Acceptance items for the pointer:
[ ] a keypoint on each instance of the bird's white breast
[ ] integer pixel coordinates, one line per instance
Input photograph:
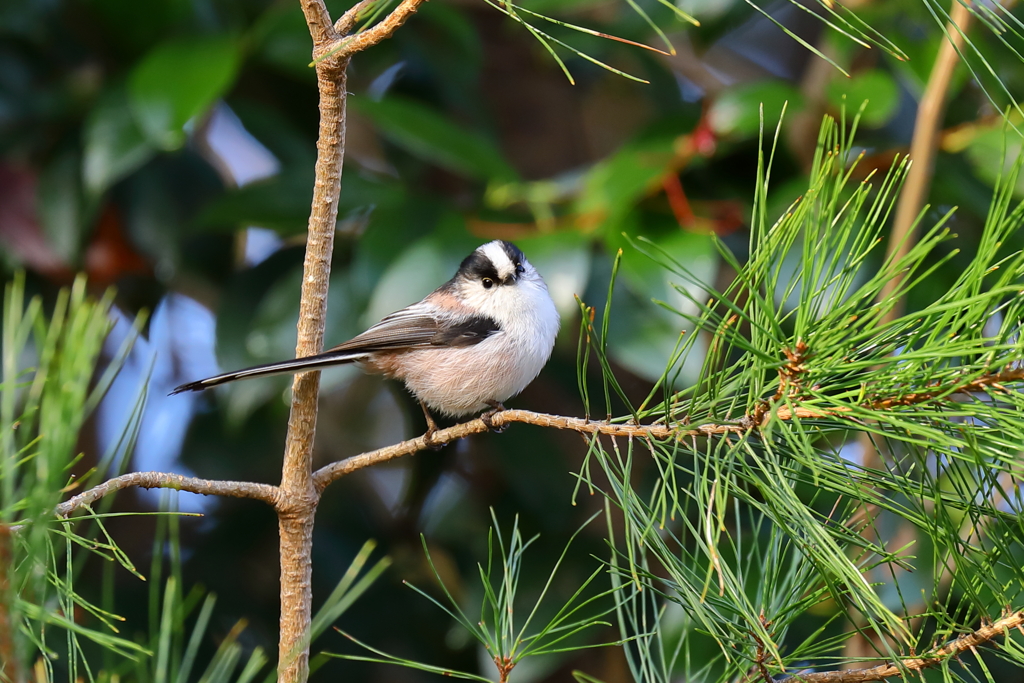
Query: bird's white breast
(459, 381)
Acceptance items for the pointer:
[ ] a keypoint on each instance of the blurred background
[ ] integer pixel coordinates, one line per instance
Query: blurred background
(166, 149)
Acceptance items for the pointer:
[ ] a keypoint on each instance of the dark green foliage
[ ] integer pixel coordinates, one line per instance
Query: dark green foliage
(463, 127)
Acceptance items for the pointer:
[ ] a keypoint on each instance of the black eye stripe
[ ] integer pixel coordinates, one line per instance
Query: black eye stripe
(478, 266)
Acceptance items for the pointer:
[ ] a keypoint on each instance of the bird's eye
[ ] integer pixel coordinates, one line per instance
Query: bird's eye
(519, 269)
(488, 283)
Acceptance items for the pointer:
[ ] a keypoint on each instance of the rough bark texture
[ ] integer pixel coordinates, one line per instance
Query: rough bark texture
(349, 45)
(883, 672)
(166, 480)
(936, 394)
(297, 498)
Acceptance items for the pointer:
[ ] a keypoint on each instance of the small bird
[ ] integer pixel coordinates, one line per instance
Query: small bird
(468, 346)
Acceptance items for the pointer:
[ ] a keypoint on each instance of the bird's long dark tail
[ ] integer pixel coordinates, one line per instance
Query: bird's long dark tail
(287, 367)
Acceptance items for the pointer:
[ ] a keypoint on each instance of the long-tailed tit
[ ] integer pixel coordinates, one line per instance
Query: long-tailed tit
(469, 345)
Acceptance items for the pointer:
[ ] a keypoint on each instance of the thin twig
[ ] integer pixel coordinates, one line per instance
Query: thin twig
(505, 666)
(952, 649)
(330, 473)
(346, 46)
(166, 480)
(344, 25)
(762, 669)
(334, 471)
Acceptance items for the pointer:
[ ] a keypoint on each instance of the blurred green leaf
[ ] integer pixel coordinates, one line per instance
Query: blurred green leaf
(614, 186)
(282, 40)
(256, 324)
(177, 81)
(459, 47)
(736, 112)
(134, 25)
(114, 145)
(640, 340)
(991, 153)
(875, 86)
(696, 250)
(417, 272)
(644, 334)
(62, 208)
(279, 203)
(424, 133)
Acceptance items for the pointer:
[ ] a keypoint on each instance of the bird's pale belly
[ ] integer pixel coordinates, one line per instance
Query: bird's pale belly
(465, 380)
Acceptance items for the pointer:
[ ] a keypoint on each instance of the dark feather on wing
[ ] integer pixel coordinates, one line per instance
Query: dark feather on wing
(417, 331)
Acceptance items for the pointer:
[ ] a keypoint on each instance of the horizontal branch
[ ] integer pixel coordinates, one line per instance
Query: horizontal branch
(936, 390)
(329, 473)
(334, 471)
(952, 649)
(166, 480)
(755, 420)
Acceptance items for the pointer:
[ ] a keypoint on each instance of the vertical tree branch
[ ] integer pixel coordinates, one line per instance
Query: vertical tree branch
(297, 499)
(321, 30)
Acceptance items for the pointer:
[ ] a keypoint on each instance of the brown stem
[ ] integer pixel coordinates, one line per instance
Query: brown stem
(761, 657)
(884, 671)
(504, 666)
(345, 46)
(297, 500)
(344, 25)
(758, 418)
(324, 476)
(164, 480)
(278, 497)
(319, 22)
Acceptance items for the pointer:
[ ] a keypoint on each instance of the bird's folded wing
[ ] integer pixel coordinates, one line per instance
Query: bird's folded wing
(412, 328)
